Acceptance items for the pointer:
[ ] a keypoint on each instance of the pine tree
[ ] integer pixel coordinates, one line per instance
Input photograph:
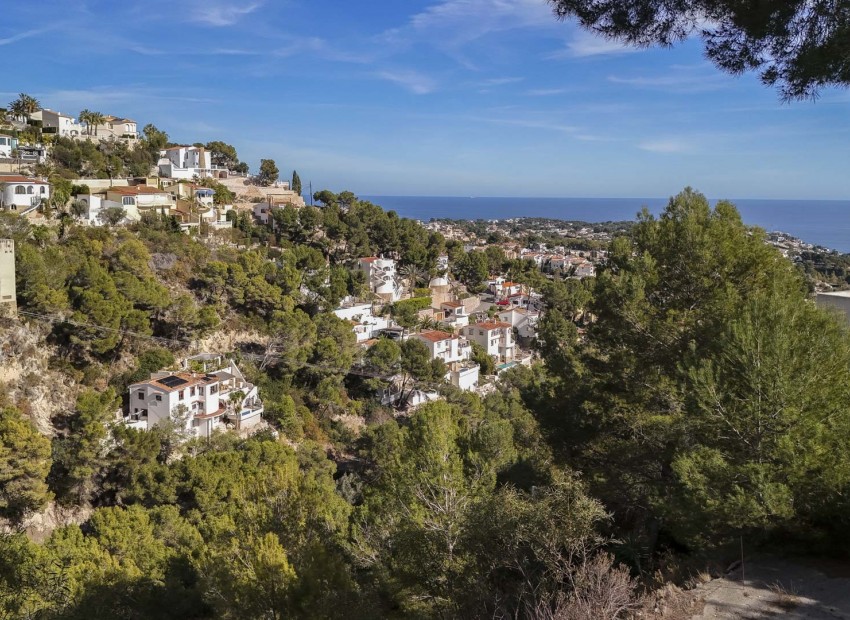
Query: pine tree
(296, 182)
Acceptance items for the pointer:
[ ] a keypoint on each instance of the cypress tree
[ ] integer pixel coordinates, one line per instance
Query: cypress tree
(296, 182)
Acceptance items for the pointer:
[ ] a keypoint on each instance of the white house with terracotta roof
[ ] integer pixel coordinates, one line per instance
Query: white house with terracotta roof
(21, 194)
(382, 278)
(136, 200)
(445, 346)
(523, 320)
(454, 313)
(141, 199)
(207, 393)
(502, 289)
(585, 269)
(496, 337)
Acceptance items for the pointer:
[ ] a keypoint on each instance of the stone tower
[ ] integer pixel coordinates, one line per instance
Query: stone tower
(8, 298)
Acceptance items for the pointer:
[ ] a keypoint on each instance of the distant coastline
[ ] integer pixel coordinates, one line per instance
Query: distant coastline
(824, 223)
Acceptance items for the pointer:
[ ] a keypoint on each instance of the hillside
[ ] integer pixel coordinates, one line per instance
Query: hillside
(686, 396)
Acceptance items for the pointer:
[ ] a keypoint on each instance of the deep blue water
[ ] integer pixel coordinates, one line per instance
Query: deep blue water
(822, 222)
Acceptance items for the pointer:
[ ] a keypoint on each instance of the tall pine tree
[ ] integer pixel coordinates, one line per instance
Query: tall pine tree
(296, 182)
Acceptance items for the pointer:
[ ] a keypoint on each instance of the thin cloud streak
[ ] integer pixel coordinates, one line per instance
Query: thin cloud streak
(221, 15)
(680, 79)
(27, 34)
(586, 44)
(413, 81)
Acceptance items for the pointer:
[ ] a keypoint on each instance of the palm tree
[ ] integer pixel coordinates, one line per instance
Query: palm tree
(96, 119)
(24, 106)
(85, 117)
(414, 274)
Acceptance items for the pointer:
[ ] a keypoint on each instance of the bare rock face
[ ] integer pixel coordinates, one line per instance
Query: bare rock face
(40, 392)
(162, 261)
(38, 526)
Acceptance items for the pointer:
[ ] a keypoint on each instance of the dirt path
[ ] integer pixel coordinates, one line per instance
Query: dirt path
(777, 587)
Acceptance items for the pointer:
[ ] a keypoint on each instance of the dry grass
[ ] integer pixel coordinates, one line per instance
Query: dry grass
(787, 598)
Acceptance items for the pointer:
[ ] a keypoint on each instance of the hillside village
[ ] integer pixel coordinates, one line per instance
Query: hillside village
(212, 198)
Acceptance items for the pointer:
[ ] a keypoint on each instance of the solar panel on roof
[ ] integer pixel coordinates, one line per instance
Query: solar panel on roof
(172, 381)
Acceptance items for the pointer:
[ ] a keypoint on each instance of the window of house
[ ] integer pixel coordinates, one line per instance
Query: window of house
(20, 189)
(43, 189)
(159, 397)
(30, 190)
(213, 389)
(480, 333)
(181, 394)
(141, 395)
(128, 201)
(192, 391)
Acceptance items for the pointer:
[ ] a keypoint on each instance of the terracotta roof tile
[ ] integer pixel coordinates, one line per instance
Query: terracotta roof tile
(436, 336)
(489, 325)
(16, 178)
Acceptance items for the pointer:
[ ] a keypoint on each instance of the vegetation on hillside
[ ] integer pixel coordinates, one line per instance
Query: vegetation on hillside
(690, 394)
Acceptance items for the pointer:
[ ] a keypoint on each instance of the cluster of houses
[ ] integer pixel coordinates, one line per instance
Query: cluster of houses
(190, 203)
(457, 323)
(55, 123)
(564, 261)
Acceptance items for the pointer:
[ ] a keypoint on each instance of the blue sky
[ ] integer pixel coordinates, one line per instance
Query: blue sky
(414, 97)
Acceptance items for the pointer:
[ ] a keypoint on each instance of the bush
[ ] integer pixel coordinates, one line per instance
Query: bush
(415, 305)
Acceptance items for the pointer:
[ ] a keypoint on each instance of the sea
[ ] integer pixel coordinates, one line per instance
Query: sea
(820, 222)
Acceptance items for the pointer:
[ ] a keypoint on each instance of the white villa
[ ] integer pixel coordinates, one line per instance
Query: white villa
(136, 200)
(7, 145)
(64, 125)
(496, 337)
(585, 270)
(445, 346)
(188, 162)
(464, 375)
(502, 289)
(381, 276)
(208, 394)
(364, 324)
(524, 321)
(21, 194)
(454, 314)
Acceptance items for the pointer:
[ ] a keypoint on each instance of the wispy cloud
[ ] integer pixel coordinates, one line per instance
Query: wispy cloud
(104, 96)
(413, 81)
(472, 19)
(585, 44)
(223, 14)
(500, 81)
(666, 145)
(679, 79)
(27, 34)
(451, 26)
(225, 51)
